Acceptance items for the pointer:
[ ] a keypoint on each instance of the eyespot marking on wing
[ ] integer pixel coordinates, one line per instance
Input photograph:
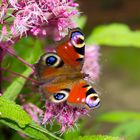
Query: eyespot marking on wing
(72, 49)
(77, 39)
(52, 60)
(92, 100)
(60, 96)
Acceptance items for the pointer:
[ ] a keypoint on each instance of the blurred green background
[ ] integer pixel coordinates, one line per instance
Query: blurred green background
(119, 84)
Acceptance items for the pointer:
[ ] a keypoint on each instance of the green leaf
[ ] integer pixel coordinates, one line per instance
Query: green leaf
(119, 116)
(9, 110)
(34, 53)
(14, 89)
(97, 137)
(71, 135)
(15, 117)
(114, 35)
(130, 130)
(81, 21)
(29, 49)
(43, 130)
(32, 130)
(29, 131)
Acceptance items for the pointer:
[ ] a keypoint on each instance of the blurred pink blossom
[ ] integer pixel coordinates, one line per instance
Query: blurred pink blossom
(91, 64)
(38, 17)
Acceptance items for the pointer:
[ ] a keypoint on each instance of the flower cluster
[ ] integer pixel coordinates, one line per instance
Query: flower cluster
(64, 114)
(36, 17)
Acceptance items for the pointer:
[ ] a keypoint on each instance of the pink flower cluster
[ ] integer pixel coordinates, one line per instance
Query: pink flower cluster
(64, 114)
(36, 17)
(91, 64)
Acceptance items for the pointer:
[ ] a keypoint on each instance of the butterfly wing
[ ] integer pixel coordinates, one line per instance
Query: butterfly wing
(75, 93)
(83, 94)
(68, 58)
(72, 51)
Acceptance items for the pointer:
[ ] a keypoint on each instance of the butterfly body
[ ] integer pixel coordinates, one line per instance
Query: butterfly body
(60, 73)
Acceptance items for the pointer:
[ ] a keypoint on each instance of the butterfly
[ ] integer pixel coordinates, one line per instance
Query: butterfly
(60, 76)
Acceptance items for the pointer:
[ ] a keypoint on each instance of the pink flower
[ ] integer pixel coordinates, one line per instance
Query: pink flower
(3, 10)
(39, 17)
(4, 34)
(91, 63)
(65, 115)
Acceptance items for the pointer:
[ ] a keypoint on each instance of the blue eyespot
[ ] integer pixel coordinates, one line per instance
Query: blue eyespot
(59, 96)
(51, 60)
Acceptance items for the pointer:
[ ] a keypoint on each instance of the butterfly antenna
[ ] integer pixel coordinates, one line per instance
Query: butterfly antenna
(27, 78)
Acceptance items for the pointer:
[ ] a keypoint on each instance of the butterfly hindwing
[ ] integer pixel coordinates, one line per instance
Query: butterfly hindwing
(83, 94)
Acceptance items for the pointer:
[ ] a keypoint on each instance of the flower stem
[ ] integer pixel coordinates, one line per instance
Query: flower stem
(17, 74)
(22, 60)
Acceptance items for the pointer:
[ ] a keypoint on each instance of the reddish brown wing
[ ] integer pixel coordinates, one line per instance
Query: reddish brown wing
(82, 93)
(69, 58)
(72, 51)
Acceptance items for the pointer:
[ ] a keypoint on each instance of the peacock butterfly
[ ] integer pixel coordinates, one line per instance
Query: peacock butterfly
(60, 73)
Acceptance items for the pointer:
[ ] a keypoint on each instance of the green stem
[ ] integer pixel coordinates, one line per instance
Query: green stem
(14, 89)
(33, 125)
